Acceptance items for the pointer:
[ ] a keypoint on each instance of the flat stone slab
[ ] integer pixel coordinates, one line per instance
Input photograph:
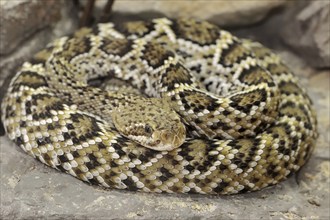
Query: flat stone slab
(31, 190)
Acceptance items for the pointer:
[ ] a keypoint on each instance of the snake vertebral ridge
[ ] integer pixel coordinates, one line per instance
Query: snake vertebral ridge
(216, 114)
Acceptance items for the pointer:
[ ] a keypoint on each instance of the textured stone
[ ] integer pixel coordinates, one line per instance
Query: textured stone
(308, 32)
(20, 19)
(27, 26)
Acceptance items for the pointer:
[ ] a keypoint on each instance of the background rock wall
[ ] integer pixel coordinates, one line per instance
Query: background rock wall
(27, 26)
(307, 33)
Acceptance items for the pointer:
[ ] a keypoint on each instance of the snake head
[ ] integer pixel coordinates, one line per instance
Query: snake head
(150, 123)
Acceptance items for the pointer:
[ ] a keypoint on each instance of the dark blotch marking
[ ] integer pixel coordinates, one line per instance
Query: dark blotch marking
(130, 184)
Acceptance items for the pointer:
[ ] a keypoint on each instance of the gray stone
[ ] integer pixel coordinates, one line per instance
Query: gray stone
(27, 26)
(308, 32)
(21, 19)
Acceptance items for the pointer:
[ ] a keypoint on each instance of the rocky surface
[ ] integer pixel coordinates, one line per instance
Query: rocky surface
(308, 33)
(21, 19)
(27, 26)
(28, 189)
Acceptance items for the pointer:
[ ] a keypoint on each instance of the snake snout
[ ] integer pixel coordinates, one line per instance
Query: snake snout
(172, 138)
(168, 139)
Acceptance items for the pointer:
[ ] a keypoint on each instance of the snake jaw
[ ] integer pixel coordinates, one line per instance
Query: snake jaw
(163, 140)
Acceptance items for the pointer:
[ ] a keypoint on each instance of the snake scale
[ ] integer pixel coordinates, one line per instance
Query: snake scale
(222, 115)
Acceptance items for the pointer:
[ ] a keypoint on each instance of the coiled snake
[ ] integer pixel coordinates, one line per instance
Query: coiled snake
(221, 115)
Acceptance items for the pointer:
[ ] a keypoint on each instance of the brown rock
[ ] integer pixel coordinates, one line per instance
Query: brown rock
(26, 27)
(308, 33)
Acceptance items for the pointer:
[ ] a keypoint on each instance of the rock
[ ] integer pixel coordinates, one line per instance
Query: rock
(308, 33)
(20, 19)
(27, 26)
(224, 13)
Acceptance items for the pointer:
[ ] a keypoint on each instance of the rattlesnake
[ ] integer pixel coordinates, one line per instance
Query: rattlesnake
(236, 118)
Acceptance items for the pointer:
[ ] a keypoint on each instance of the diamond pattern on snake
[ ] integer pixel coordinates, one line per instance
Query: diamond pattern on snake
(210, 113)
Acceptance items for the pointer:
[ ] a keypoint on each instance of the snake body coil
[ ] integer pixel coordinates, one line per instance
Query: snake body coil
(249, 124)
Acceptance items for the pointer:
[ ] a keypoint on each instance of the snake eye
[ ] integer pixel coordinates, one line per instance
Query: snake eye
(148, 129)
